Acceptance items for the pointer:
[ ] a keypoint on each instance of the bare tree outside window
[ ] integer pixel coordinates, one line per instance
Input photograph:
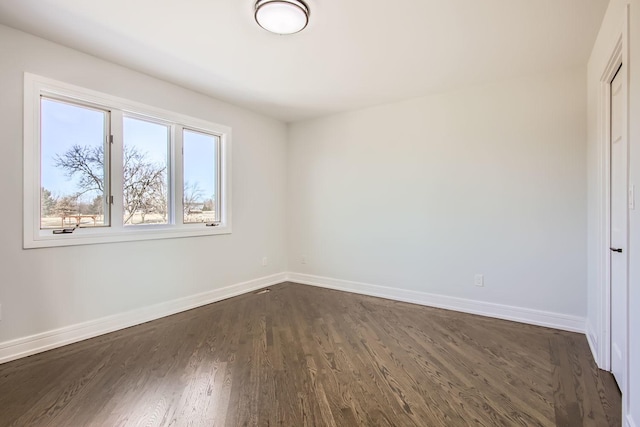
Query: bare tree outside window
(192, 198)
(144, 189)
(85, 163)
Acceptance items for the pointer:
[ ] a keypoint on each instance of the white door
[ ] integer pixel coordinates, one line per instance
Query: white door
(618, 251)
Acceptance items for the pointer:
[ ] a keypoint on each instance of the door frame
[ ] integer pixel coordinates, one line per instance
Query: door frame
(619, 55)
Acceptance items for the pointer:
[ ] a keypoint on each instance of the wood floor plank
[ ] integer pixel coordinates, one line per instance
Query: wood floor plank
(305, 356)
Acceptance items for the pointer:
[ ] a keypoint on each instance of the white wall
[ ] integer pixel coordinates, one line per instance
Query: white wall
(420, 195)
(611, 27)
(45, 289)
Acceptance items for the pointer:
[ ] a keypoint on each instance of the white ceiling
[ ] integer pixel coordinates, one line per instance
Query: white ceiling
(354, 53)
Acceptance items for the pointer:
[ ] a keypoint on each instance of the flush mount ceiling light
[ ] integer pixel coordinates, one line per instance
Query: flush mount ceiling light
(282, 16)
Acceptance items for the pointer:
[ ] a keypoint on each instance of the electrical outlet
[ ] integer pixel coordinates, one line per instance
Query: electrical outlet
(303, 259)
(479, 280)
(265, 261)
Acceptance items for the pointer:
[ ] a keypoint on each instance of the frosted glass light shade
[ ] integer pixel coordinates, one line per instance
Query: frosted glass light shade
(282, 16)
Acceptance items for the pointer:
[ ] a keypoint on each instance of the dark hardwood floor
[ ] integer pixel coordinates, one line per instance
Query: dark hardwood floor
(299, 355)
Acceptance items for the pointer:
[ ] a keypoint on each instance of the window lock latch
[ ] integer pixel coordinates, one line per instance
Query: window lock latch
(212, 224)
(65, 230)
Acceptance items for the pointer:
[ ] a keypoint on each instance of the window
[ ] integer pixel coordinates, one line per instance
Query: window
(73, 173)
(144, 167)
(103, 169)
(200, 185)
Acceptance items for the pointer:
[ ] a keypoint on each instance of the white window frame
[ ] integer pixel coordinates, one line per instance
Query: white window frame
(34, 237)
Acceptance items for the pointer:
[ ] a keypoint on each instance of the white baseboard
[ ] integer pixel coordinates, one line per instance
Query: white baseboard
(592, 339)
(499, 311)
(26, 346)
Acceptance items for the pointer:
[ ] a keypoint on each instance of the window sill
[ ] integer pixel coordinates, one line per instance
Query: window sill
(46, 238)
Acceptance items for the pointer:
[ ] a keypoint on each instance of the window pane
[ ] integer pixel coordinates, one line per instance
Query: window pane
(146, 147)
(200, 177)
(73, 188)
